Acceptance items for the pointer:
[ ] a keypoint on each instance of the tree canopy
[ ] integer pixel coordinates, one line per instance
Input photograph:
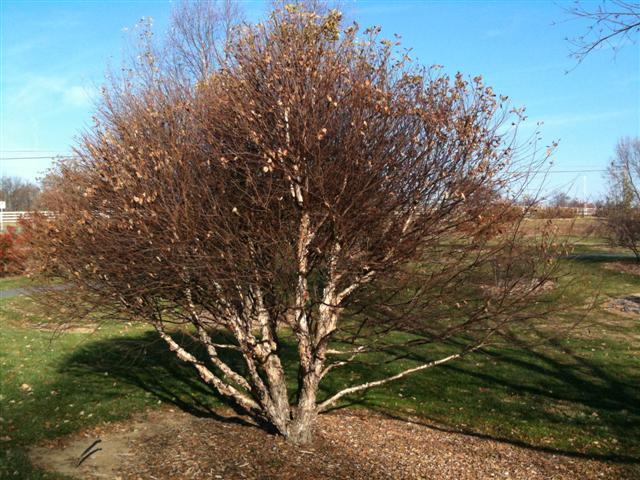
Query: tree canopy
(298, 180)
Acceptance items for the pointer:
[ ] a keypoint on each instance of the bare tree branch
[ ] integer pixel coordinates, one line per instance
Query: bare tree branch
(365, 386)
(610, 20)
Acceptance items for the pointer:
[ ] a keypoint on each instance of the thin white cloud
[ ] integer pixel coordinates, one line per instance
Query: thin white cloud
(570, 119)
(493, 33)
(16, 50)
(375, 8)
(550, 126)
(78, 96)
(48, 90)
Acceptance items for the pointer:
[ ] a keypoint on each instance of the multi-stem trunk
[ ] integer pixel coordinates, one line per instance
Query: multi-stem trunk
(312, 363)
(302, 427)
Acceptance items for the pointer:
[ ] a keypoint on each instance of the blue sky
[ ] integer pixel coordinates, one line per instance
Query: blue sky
(54, 54)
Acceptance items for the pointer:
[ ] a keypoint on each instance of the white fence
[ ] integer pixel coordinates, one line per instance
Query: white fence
(573, 211)
(585, 211)
(12, 218)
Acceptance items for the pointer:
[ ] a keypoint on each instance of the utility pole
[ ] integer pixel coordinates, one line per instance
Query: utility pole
(584, 195)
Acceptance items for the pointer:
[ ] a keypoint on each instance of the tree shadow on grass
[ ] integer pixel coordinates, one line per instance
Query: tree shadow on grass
(559, 392)
(544, 377)
(602, 257)
(145, 362)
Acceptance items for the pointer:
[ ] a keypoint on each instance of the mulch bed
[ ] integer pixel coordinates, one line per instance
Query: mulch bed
(624, 267)
(629, 304)
(351, 445)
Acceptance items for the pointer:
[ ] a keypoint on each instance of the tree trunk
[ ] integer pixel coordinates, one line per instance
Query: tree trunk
(302, 428)
(278, 392)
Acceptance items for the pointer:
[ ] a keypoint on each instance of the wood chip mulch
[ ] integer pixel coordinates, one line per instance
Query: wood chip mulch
(624, 267)
(351, 445)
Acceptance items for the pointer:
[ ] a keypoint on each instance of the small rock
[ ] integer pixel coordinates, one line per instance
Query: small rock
(26, 388)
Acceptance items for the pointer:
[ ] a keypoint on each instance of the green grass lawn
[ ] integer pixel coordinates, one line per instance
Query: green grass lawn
(8, 283)
(578, 395)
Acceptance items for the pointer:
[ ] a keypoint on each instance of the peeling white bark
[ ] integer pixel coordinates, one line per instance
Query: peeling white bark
(223, 388)
(364, 386)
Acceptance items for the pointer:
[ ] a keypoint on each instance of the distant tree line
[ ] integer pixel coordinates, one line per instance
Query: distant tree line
(559, 205)
(621, 209)
(19, 194)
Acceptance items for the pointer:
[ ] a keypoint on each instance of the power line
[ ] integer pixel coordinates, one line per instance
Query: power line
(30, 151)
(50, 157)
(573, 171)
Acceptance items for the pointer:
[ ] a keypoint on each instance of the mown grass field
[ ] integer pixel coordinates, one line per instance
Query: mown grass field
(577, 394)
(9, 283)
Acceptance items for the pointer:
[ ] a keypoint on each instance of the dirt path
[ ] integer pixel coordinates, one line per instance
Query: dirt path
(357, 445)
(114, 448)
(14, 292)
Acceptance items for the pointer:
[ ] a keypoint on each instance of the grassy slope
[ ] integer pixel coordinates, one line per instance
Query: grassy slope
(8, 283)
(579, 396)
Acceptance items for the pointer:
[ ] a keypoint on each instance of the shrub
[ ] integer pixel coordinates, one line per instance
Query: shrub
(316, 184)
(11, 252)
